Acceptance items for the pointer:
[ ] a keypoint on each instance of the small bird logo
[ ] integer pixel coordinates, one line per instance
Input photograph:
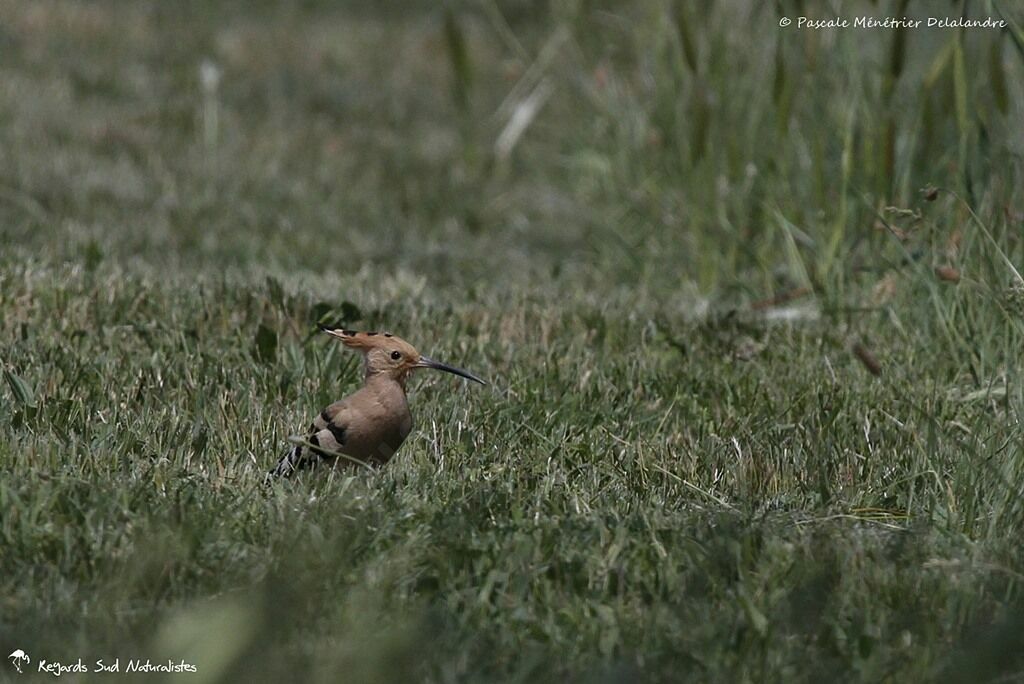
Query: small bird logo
(368, 426)
(18, 658)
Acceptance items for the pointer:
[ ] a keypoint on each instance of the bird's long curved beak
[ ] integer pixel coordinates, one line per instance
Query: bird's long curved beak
(426, 362)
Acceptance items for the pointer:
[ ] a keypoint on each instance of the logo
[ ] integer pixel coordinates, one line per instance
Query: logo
(19, 658)
(21, 663)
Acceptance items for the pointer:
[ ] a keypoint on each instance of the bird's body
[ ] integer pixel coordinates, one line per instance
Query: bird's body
(369, 425)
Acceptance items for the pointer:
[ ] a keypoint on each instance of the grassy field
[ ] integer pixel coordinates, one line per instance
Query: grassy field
(748, 298)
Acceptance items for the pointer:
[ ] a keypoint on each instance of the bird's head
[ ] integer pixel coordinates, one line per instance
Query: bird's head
(387, 355)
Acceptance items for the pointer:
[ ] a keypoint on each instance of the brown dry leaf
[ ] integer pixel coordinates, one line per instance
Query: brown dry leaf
(781, 298)
(867, 357)
(947, 273)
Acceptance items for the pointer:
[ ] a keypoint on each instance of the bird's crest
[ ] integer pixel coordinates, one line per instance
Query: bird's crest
(390, 355)
(358, 339)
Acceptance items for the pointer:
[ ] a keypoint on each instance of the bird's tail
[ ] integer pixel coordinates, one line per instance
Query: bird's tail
(298, 458)
(288, 463)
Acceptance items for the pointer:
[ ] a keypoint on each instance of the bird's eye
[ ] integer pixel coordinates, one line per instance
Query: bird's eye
(396, 355)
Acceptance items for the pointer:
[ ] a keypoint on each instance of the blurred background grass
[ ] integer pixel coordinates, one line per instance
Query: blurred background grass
(749, 297)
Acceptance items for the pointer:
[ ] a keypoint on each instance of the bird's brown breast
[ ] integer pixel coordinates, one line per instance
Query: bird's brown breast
(369, 425)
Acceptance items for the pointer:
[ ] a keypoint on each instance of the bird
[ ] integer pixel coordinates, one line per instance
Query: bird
(368, 426)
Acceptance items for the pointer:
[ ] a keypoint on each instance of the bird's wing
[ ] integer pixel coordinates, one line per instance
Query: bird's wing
(328, 429)
(326, 435)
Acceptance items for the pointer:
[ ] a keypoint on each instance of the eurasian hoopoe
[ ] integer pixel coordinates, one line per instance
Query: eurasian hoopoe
(372, 423)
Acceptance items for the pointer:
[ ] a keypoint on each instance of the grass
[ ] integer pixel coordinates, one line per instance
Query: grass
(755, 402)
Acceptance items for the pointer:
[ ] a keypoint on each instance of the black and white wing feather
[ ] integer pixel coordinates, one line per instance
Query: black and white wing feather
(325, 440)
